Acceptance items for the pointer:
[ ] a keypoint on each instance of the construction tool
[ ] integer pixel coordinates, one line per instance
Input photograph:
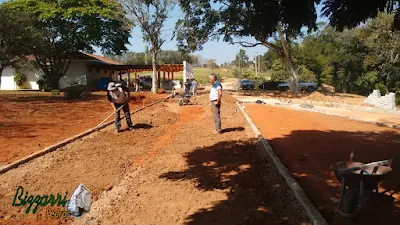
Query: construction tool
(110, 116)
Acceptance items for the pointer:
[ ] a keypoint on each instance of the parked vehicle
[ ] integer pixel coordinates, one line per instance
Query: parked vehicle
(246, 84)
(146, 81)
(309, 86)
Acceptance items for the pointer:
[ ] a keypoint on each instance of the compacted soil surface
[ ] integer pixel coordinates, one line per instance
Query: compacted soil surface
(309, 143)
(31, 121)
(171, 170)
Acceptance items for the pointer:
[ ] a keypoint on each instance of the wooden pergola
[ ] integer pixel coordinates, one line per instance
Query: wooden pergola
(167, 69)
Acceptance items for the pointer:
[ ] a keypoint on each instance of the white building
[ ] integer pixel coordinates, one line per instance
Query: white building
(79, 72)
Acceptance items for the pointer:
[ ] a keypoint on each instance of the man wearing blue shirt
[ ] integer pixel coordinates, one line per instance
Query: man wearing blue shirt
(215, 98)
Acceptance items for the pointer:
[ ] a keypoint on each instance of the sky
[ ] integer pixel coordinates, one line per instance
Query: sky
(221, 51)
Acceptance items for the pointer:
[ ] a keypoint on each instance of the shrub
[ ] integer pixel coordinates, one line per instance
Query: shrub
(76, 91)
(382, 88)
(41, 83)
(19, 79)
(55, 92)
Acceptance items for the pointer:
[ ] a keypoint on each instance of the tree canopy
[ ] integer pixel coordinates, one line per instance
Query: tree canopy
(69, 26)
(241, 18)
(151, 17)
(348, 14)
(16, 35)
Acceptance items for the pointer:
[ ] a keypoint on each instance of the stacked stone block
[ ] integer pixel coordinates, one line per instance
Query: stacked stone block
(384, 102)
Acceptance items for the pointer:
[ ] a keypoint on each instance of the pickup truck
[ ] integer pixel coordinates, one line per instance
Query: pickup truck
(309, 86)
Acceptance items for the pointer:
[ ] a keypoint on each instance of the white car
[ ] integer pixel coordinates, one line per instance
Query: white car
(309, 86)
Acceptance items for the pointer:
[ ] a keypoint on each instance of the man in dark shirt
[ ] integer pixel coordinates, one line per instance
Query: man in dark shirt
(119, 95)
(187, 87)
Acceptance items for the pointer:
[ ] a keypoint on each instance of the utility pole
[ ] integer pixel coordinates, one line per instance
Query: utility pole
(255, 65)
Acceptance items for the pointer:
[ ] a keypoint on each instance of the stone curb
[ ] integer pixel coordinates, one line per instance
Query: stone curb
(313, 214)
(289, 106)
(54, 147)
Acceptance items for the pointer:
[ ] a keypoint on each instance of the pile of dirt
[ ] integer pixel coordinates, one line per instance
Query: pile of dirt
(136, 98)
(317, 96)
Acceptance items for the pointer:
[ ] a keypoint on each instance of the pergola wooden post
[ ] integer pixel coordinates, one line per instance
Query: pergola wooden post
(129, 77)
(159, 79)
(168, 76)
(172, 75)
(163, 75)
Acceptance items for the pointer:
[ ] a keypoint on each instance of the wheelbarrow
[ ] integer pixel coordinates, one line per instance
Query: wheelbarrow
(183, 99)
(358, 182)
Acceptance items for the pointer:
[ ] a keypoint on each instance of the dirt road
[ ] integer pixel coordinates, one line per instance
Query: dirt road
(171, 170)
(308, 143)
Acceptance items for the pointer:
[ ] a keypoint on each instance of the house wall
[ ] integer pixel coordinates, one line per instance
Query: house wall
(7, 79)
(32, 75)
(76, 74)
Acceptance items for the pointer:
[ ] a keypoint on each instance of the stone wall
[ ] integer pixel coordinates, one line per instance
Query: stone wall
(383, 102)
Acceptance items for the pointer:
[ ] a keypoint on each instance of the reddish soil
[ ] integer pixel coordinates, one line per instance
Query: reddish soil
(170, 170)
(308, 143)
(31, 121)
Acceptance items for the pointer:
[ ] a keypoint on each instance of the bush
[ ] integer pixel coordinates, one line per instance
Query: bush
(55, 92)
(76, 91)
(41, 83)
(382, 88)
(19, 79)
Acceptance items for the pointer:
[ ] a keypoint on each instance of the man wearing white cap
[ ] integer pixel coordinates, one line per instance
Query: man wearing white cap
(119, 95)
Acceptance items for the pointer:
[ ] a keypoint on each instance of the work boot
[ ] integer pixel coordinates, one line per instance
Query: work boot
(116, 131)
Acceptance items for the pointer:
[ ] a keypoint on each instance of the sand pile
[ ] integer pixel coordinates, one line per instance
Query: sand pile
(317, 96)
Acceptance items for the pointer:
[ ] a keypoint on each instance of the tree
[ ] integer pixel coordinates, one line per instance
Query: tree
(211, 63)
(69, 26)
(384, 46)
(344, 13)
(242, 18)
(16, 34)
(150, 16)
(241, 60)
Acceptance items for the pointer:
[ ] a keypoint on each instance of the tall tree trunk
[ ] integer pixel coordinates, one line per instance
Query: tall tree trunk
(54, 81)
(154, 85)
(293, 76)
(288, 62)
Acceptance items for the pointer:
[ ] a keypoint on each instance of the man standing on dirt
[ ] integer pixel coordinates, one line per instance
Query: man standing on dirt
(187, 86)
(119, 96)
(215, 98)
(194, 86)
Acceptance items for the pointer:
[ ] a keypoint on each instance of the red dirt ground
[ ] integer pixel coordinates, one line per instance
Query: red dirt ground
(171, 170)
(308, 143)
(31, 121)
